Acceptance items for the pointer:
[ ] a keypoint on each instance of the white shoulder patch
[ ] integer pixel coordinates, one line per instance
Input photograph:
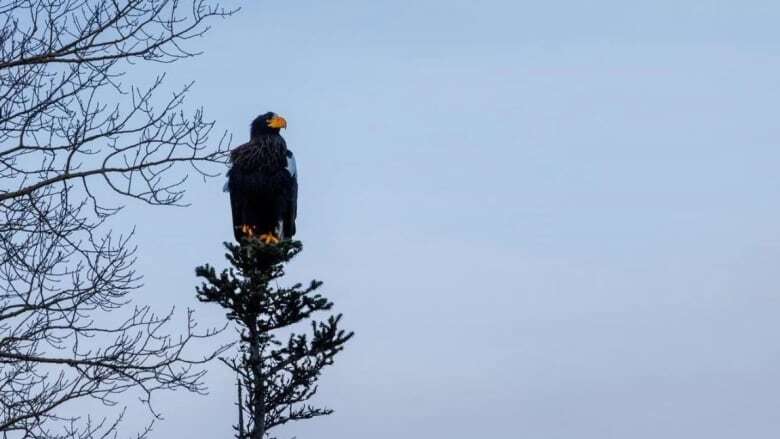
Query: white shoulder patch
(291, 166)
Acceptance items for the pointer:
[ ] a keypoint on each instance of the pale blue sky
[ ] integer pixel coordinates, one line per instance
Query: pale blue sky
(542, 219)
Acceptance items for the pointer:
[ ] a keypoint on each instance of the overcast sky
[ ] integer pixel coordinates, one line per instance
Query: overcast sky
(543, 220)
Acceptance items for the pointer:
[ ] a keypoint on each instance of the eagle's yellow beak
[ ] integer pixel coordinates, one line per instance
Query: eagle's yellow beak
(277, 122)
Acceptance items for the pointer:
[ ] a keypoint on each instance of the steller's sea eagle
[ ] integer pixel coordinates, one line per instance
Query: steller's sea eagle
(263, 183)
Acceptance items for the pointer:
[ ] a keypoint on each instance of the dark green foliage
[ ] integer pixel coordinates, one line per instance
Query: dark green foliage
(279, 376)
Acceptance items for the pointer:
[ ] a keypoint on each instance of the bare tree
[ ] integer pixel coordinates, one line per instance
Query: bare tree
(75, 140)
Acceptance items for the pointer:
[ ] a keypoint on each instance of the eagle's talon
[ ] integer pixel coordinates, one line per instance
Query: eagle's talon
(248, 231)
(269, 239)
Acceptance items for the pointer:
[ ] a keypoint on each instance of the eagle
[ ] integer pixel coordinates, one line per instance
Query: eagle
(263, 183)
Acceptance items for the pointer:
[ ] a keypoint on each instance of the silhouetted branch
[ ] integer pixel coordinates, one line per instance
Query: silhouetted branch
(75, 141)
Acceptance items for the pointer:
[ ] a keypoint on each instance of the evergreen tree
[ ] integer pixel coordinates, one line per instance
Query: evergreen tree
(278, 377)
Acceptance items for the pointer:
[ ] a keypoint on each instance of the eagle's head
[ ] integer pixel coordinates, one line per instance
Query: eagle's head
(268, 123)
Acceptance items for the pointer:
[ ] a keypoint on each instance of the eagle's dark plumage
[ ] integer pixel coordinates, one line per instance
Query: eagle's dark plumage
(263, 183)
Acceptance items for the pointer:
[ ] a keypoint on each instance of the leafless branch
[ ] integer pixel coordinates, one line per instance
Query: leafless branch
(76, 143)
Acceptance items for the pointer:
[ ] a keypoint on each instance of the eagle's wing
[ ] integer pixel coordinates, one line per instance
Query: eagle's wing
(292, 207)
(292, 168)
(238, 200)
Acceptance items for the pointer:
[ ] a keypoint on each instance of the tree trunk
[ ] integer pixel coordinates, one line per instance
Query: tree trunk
(258, 398)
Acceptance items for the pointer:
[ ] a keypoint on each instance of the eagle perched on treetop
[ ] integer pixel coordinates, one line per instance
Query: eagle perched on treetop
(263, 183)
